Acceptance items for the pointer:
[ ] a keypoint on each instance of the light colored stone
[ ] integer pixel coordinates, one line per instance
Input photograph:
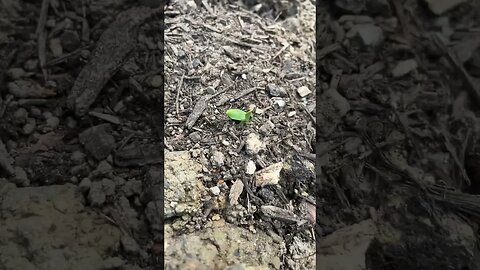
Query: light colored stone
(369, 34)
(269, 175)
(218, 158)
(253, 145)
(250, 168)
(215, 190)
(303, 91)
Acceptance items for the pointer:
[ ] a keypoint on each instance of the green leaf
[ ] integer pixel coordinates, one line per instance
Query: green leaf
(239, 115)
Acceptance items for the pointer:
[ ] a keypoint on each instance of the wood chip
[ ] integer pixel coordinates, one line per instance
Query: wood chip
(107, 117)
(201, 105)
(235, 191)
(269, 175)
(281, 214)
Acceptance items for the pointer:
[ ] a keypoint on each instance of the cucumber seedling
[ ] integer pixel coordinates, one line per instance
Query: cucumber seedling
(239, 115)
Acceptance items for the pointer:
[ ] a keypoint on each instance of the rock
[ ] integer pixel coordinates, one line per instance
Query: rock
(217, 159)
(156, 81)
(215, 190)
(53, 122)
(96, 195)
(20, 116)
(30, 126)
(267, 127)
(98, 141)
(269, 175)
(77, 157)
(345, 249)
(129, 245)
(103, 169)
(250, 168)
(439, 7)
(108, 186)
(370, 35)
(85, 185)
(303, 91)
(195, 136)
(276, 91)
(331, 108)
(404, 67)
(29, 89)
(80, 170)
(253, 145)
(122, 205)
(351, 6)
(70, 40)
(280, 102)
(21, 177)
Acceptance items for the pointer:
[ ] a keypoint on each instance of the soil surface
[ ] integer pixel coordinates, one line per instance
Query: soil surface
(80, 129)
(239, 195)
(392, 120)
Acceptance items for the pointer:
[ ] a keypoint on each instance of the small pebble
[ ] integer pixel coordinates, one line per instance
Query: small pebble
(129, 245)
(29, 127)
(280, 103)
(156, 81)
(218, 159)
(77, 157)
(303, 91)
(215, 190)
(251, 168)
(53, 122)
(253, 145)
(20, 116)
(292, 113)
(404, 67)
(84, 185)
(276, 91)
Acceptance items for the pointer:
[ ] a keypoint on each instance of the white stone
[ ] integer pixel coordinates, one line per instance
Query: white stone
(251, 168)
(303, 91)
(215, 190)
(253, 145)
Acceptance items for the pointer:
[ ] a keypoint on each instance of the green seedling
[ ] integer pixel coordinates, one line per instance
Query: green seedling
(239, 115)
